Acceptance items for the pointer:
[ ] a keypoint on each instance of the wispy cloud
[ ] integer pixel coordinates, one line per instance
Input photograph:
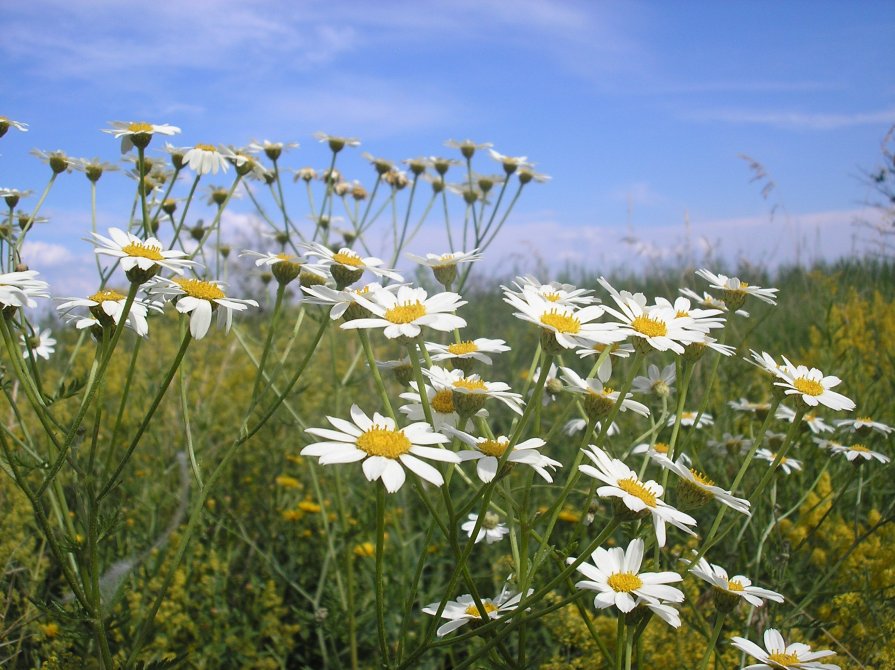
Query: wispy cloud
(794, 120)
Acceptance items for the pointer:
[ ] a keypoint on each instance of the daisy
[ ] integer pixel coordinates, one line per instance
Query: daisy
(660, 382)
(814, 422)
(743, 405)
(147, 256)
(732, 445)
(18, 289)
(273, 150)
(563, 325)
(654, 327)
(41, 344)
(703, 319)
(385, 449)
(208, 159)
(200, 299)
(491, 530)
(858, 451)
(58, 161)
(405, 312)
(573, 426)
(344, 302)
(765, 362)
(710, 301)
(863, 425)
(444, 266)
(137, 133)
(441, 406)
(633, 495)
(461, 611)
(6, 123)
(615, 575)
(599, 399)
(487, 452)
(688, 419)
(94, 168)
(13, 195)
(467, 350)
(106, 308)
(786, 464)
(812, 386)
(526, 175)
(471, 391)
(510, 163)
(697, 490)
(347, 264)
(733, 588)
(336, 143)
(735, 290)
(467, 147)
(284, 267)
(777, 655)
(563, 294)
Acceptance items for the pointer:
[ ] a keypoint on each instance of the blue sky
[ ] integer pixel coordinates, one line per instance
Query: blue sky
(638, 110)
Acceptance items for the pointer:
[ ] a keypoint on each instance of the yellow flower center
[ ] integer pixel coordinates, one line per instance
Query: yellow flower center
(783, 659)
(443, 402)
(461, 348)
(103, 296)
(200, 289)
(380, 441)
(205, 147)
(638, 490)
(139, 127)
(624, 582)
(688, 415)
(649, 327)
(143, 250)
(473, 611)
(551, 297)
(859, 447)
(808, 386)
(346, 257)
(865, 419)
(700, 478)
(493, 447)
(406, 312)
(471, 384)
(681, 313)
(661, 447)
(561, 322)
(734, 585)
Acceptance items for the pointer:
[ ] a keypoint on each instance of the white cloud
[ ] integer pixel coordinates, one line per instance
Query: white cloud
(40, 255)
(795, 120)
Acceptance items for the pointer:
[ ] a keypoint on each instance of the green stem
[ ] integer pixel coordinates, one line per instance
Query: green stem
(380, 580)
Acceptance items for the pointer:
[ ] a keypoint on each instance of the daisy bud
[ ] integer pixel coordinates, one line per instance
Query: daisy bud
(169, 205)
(266, 277)
(323, 222)
(725, 601)
(138, 276)
(661, 389)
(224, 250)
(404, 374)
(445, 274)
(177, 159)
(691, 495)
(358, 192)
(5, 231)
(58, 163)
(470, 196)
(341, 188)
(273, 151)
(486, 184)
(344, 276)
(417, 167)
(4, 126)
(21, 267)
(12, 199)
(285, 272)
(219, 196)
(348, 236)
(733, 299)
(93, 172)
(282, 238)
(597, 406)
(306, 279)
(197, 232)
(525, 176)
(694, 351)
(468, 404)
(437, 186)
(553, 386)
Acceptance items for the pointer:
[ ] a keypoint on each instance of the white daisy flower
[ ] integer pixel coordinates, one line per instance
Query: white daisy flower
(200, 299)
(477, 349)
(209, 159)
(710, 301)
(403, 314)
(765, 362)
(744, 405)
(569, 326)
(863, 424)
(735, 290)
(41, 344)
(730, 444)
(461, 611)
(788, 465)
(696, 489)
(441, 405)
(18, 289)
(443, 260)
(812, 386)
(6, 123)
(688, 420)
(814, 422)
(639, 497)
(739, 587)
(385, 449)
(487, 452)
(106, 308)
(855, 452)
(777, 655)
(349, 263)
(491, 530)
(336, 143)
(652, 326)
(659, 382)
(343, 300)
(147, 255)
(467, 147)
(510, 163)
(273, 150)
(615, 575)
(599, 399)
(138, 133)
(703, 319)
(471, 391)
(563, 294)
